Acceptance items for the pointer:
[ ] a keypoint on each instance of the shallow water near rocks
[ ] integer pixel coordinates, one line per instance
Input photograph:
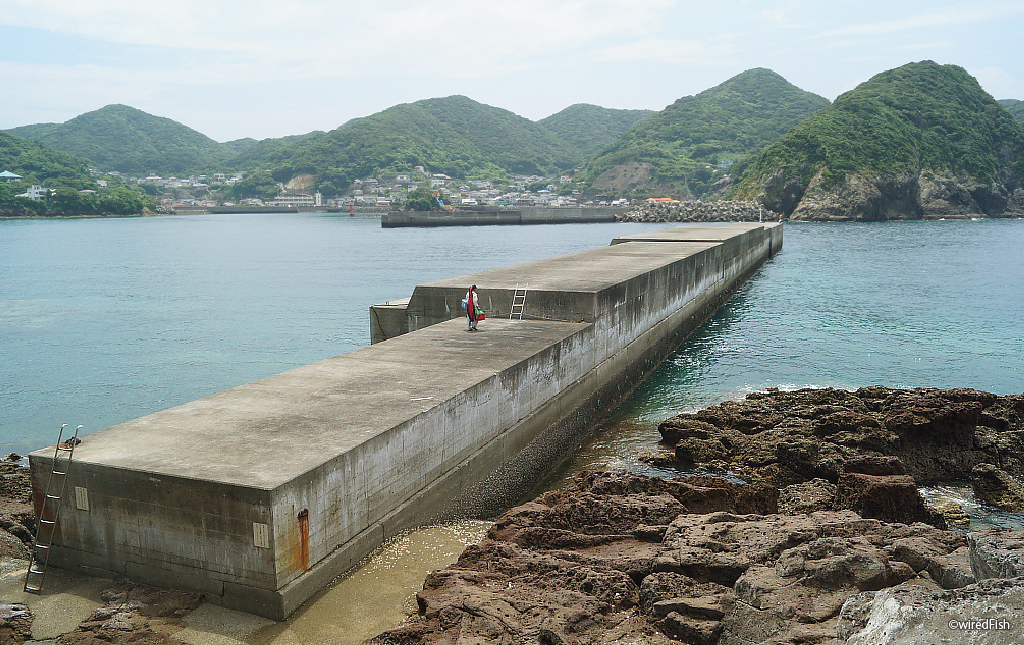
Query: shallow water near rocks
(982, 515)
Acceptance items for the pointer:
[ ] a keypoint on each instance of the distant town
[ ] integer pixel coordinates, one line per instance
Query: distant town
(380, 191)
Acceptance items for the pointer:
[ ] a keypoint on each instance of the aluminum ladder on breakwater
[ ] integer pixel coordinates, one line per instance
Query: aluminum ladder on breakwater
(518, 302)
(46, 527)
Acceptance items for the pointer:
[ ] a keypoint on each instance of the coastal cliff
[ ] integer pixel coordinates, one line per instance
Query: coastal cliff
(831, 541)
(919, 141)
(918, 195)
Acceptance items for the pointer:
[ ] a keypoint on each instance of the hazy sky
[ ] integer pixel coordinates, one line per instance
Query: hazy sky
(268, 68)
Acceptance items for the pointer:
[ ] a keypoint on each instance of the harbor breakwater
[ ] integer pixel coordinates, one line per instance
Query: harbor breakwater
(260, 495)
(496, 216)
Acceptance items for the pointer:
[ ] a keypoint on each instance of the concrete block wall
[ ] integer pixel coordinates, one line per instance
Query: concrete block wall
(376, 489)
(163, 529)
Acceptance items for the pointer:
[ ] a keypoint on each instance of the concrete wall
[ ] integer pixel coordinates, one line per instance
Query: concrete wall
(485, 217)
(330, 459)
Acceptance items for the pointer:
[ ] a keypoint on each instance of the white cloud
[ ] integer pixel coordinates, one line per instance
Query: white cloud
(670, 51)
(943, 17)
(998, 82)
(328, 37)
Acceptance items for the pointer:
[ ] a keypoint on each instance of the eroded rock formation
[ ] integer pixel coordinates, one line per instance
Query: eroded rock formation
(622, 558)
(865, 450)
(921, 195)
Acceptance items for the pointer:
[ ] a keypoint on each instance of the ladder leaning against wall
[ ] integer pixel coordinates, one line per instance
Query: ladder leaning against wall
(518, 302)
(49, 512)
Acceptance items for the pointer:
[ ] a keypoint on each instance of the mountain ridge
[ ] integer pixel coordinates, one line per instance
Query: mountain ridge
(672, 149)
(124, 138)
(920, 140)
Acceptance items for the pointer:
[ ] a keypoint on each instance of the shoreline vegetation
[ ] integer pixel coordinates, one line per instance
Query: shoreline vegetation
(805, 525)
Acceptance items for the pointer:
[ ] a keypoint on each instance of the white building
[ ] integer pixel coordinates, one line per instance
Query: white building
(297, 201)
(35, 193)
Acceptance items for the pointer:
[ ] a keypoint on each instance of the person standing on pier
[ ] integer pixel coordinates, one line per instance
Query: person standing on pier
(471, 308)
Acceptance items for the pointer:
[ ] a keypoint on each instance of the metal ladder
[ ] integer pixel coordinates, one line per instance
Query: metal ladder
(518, 302)
(49, 513)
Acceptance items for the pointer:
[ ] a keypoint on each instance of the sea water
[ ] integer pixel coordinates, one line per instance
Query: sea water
(104, 320)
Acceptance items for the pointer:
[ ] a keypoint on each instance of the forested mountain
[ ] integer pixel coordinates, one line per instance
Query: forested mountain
(39, 164)
(70, 188)
(249, 153)
(591, 127)
(123, 138)
(453, 135)
(671, 150)
(1015, 107)
(921, 140)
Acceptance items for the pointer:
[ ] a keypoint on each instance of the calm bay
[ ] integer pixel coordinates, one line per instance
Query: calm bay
(107, 319)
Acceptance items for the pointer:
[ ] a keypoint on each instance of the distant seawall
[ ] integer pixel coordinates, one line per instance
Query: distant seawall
(260, 495)
(485, 217)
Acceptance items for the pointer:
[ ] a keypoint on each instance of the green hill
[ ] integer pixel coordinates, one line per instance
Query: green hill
(39, 164)
(63, 175)
(123, 138)
(453, 135)
(590, 127)
(1014, 107)
(250, 153)
(671, 150)
(921, 140)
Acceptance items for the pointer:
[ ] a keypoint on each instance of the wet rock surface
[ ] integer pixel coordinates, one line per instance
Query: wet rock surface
(15, 623)
(133, 613)
(875, 445)
(831, 542)
(623, 558)
(17, 515)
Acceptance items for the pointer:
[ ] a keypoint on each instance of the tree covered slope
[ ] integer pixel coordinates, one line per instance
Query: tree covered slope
(920, 140)
(454, 135)
(673, 148)
(39, 164)
(589, 128)
(1014, 107)
(123, 138)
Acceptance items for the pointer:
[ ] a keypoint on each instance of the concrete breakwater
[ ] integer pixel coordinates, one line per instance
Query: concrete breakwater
(495, 216)
(698, 211)
(260, 495)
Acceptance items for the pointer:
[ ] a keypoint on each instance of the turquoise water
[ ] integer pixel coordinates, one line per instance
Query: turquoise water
(903, 304)
(104, 320)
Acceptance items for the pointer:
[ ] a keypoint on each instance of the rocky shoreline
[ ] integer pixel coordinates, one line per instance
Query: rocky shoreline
(829, 542)
(921, 195)
(807, 528)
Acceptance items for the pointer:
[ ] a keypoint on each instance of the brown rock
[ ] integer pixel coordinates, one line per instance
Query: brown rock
(891, 498)
(871, 465)
(995, 486)
(787, 438)
(807, 497)
(15, 623)
(568, 568)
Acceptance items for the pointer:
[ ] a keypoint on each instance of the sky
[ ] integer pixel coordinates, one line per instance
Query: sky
(260, 68)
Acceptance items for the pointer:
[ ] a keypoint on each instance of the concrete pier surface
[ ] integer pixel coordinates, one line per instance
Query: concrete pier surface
(258, 496)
